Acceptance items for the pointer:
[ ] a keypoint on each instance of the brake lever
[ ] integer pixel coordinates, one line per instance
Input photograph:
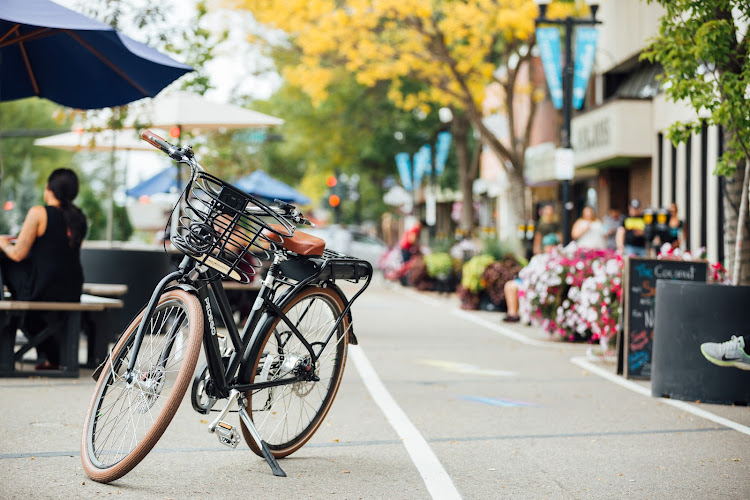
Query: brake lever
(287, 207)
(292, 212)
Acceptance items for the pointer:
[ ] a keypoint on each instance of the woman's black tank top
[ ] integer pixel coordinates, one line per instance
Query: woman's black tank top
(56, 272)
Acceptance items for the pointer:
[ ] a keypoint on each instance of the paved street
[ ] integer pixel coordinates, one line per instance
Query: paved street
(436, 402)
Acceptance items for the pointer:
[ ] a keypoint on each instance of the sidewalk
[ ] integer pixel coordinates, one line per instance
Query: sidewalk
(585, 355)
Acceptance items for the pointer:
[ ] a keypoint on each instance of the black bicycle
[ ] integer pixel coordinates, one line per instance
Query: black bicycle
(283, 369)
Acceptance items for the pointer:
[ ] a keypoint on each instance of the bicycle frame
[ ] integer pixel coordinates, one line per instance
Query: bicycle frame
(224, 232)
(209, 289)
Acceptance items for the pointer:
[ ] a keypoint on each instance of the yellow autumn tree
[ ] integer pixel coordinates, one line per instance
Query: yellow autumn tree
(456, 48)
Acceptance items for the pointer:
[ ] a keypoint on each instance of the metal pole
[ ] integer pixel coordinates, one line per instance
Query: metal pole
(433, 187)
(568, 73)
(413, 185)
(567, 76)
(111, 189)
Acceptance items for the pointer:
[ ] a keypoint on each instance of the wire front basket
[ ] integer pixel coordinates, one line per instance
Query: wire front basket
(226, 229)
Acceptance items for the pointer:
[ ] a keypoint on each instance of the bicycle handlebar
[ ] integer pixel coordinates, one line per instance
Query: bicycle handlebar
(172, 151)
(179, 154)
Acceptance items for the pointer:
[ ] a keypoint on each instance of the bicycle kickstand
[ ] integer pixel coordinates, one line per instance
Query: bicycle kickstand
(275, 468)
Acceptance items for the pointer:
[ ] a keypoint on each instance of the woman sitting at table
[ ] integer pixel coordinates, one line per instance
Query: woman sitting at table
(44, 262)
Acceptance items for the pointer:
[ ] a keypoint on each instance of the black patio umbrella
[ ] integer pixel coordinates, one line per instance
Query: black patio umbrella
(49, 51)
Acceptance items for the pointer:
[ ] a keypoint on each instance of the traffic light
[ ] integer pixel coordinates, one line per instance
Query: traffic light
(335, 195)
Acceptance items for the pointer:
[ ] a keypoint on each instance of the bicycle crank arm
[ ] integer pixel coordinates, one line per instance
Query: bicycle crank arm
(275, 468)
(233, 395)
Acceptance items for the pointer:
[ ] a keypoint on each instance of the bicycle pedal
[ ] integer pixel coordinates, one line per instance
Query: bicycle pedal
(227, 434)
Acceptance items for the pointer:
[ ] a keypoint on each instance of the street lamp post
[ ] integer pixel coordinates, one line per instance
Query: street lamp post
(569, 23)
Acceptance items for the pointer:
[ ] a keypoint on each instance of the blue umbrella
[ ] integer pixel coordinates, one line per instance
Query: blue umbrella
(163, 182)
(263, 185)
(49, 51)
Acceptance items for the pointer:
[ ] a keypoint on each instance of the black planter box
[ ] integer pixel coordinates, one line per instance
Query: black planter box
(139, 269)
(686, 315)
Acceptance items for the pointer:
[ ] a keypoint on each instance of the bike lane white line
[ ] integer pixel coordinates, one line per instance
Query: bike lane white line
(436, 479)
(586, 364)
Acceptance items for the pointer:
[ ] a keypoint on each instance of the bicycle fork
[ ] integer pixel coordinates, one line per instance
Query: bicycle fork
(229, 436)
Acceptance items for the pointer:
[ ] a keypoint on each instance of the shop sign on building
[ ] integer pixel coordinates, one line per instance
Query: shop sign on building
(619, 129)
(539, 164)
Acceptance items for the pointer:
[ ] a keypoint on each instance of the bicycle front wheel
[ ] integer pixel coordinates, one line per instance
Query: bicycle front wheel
(125, 420)
(287, 416)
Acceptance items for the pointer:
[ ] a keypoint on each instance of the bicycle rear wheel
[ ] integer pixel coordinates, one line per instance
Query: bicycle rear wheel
(287, 416)
(124, 421)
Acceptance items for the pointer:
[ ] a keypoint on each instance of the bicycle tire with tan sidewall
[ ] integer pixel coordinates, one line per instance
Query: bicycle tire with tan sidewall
(191, 350)
(338, 304)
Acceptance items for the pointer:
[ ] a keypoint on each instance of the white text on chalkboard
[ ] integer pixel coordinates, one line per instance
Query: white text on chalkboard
(663, 272)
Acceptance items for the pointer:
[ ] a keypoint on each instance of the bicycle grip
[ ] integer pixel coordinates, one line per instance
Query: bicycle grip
(160, 143)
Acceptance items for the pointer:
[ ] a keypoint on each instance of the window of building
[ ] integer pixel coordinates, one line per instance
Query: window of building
(633, 80)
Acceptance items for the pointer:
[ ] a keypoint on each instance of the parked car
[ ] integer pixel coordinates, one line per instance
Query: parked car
(351, 241)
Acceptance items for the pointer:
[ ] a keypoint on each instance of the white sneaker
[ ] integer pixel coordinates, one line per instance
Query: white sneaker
(729, 353)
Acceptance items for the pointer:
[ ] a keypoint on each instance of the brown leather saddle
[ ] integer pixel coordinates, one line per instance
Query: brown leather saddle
(299, 243)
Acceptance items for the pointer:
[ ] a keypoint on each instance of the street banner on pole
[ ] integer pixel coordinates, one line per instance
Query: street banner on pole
(422, 164)
(403, 164)
(442, 147)
(586, 37)
(548, 39)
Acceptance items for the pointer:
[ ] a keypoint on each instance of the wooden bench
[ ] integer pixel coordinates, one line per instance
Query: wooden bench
(101, 328)
(64, 319)
(110, 290)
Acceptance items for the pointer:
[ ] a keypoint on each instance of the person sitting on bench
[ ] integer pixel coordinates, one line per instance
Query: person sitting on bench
(44, 263)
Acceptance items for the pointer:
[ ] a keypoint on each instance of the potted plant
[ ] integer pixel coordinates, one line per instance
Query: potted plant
(495, 276)
(472, 283)
(573, 293)
(418, 276)
(440, 268)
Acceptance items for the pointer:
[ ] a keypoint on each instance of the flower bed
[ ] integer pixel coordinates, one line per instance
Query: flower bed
(576, 293)
(573, 293)
(497, 274)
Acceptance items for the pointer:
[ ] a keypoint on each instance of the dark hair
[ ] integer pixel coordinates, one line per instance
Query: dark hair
(63, 183)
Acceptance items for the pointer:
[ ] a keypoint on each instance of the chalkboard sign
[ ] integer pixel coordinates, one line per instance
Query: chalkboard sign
(639, 292)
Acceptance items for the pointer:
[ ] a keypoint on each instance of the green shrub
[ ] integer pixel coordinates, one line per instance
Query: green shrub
(438, 264)
(496, 248)
(472, 271)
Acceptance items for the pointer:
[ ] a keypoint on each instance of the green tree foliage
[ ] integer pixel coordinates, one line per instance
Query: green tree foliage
(703, 47)
(96, 215)
(704, 53)
(196, 47)
(25, 167)
(351, 131)
(23, 121)
(27, 192)
(453, 48)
